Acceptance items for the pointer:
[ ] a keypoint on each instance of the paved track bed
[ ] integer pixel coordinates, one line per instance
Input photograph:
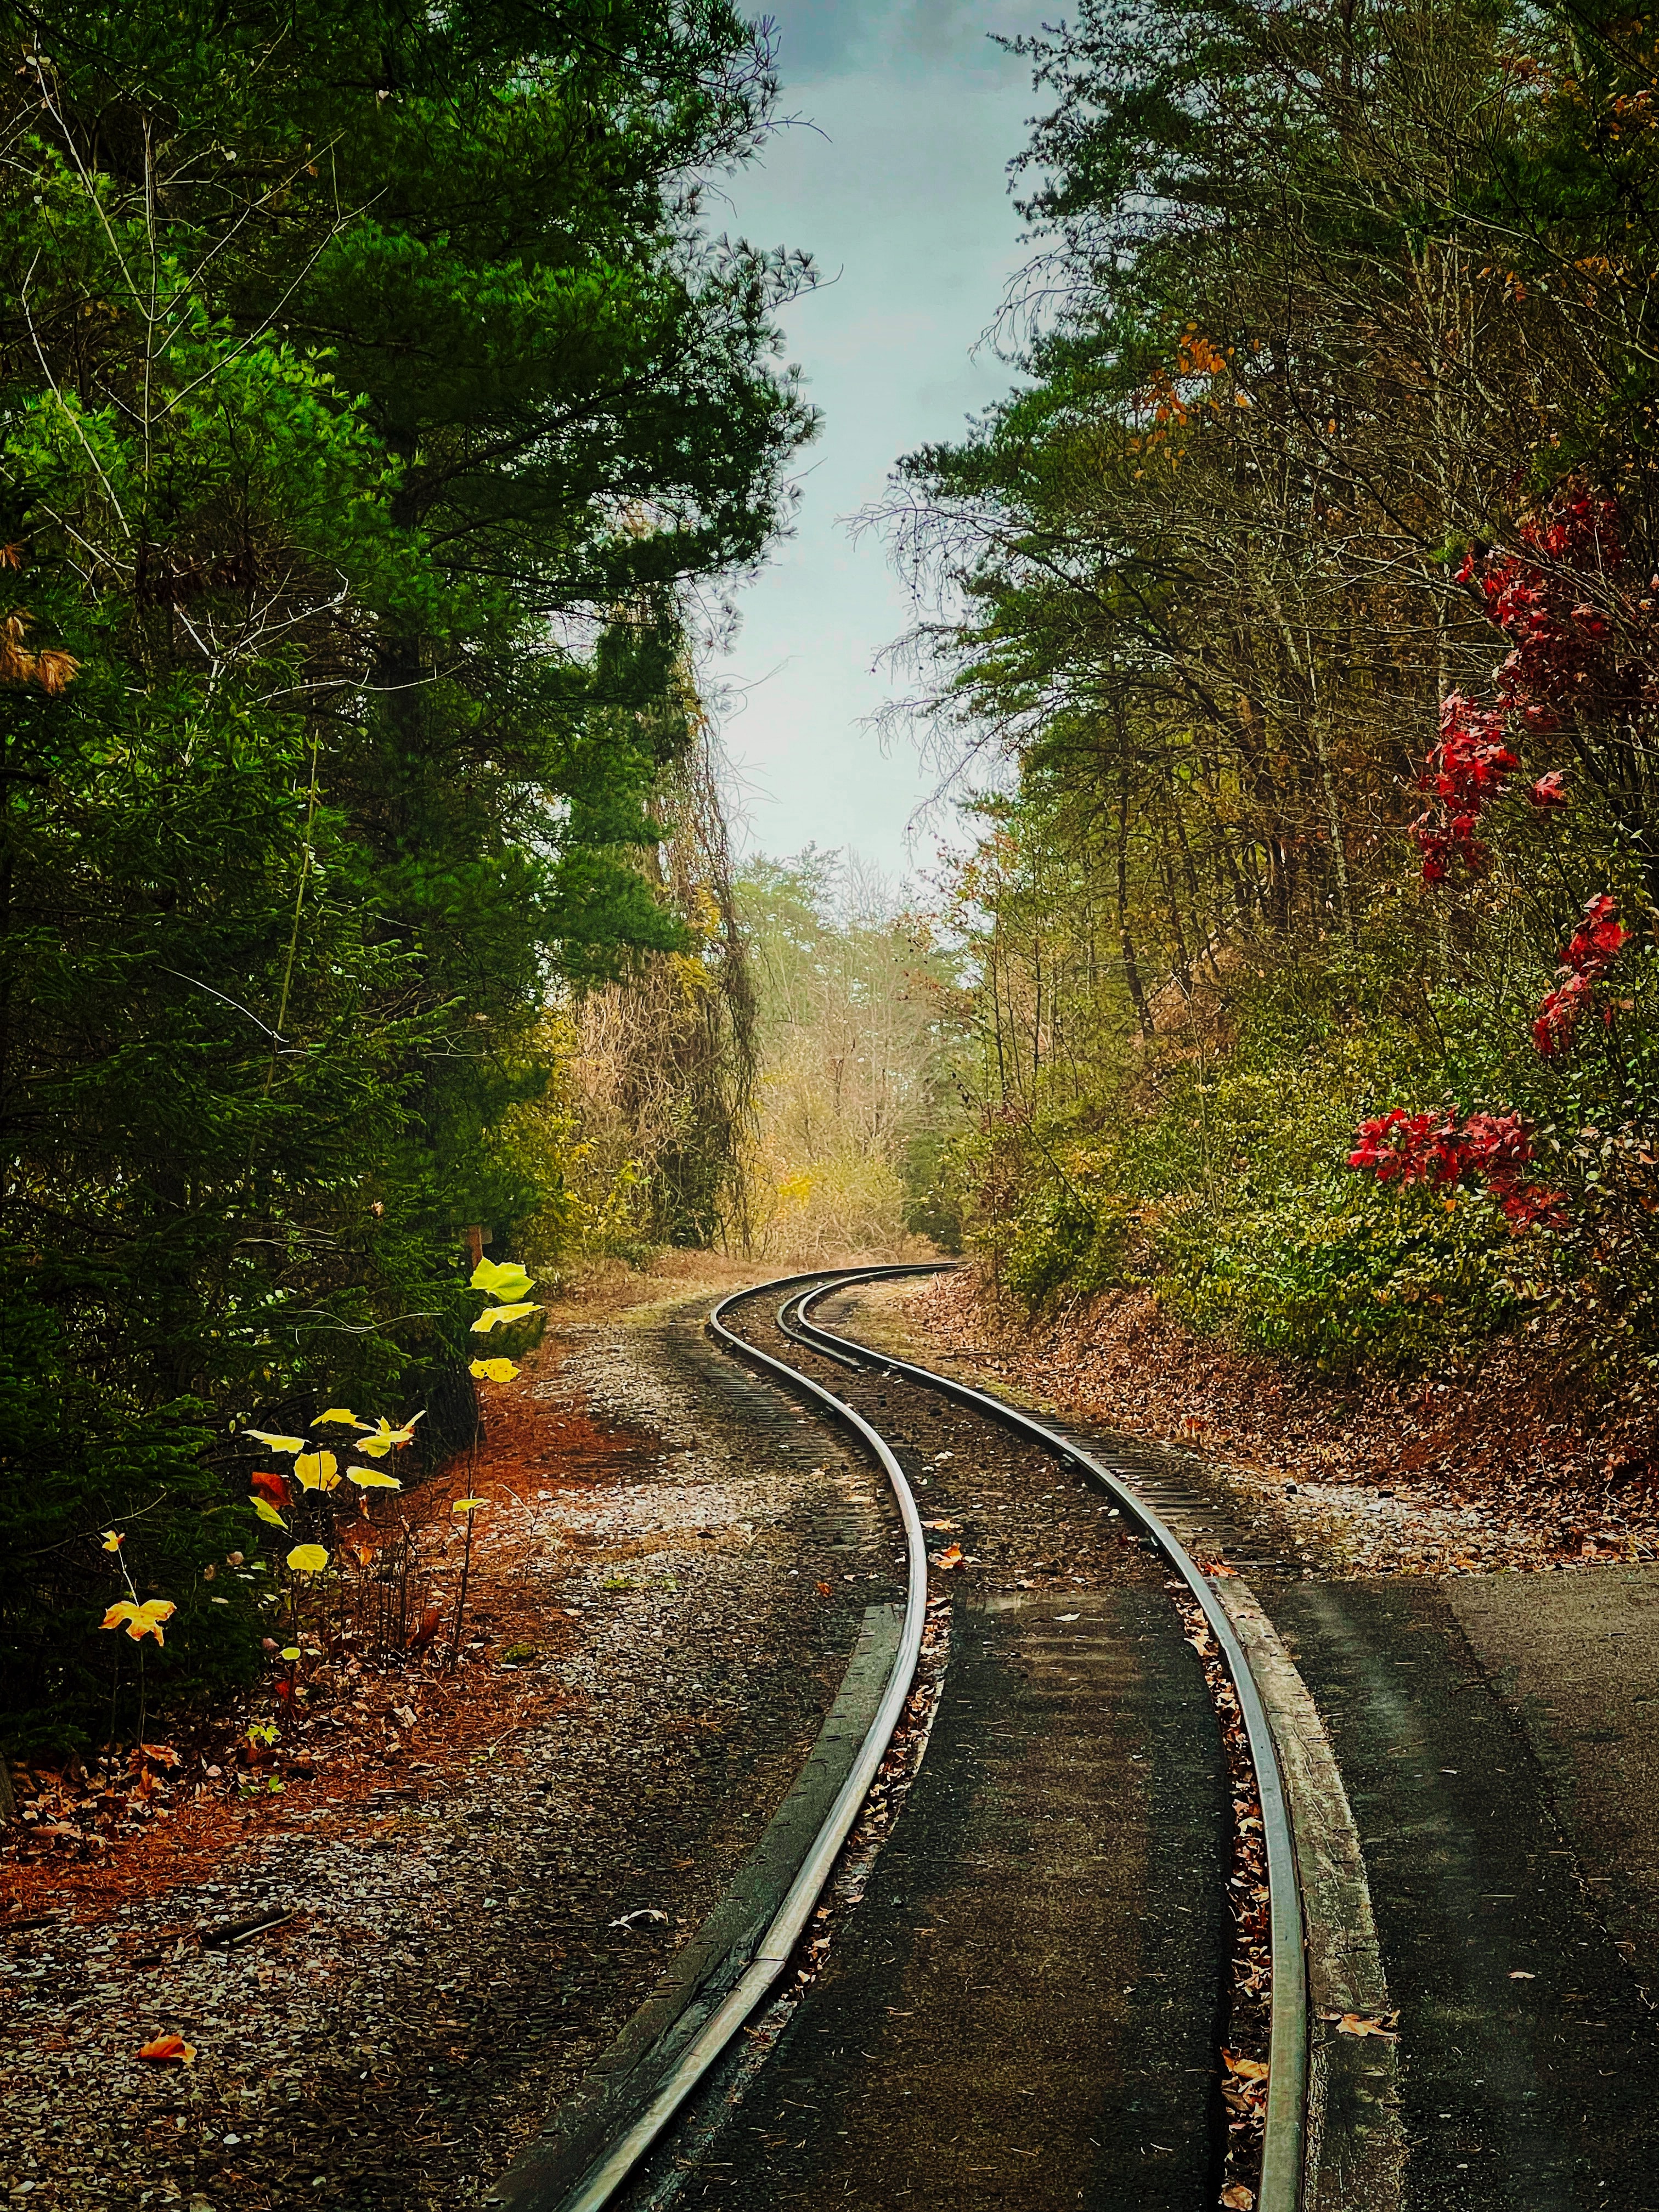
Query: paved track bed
(1025, 2008)
(1010, 2018)
(1528, 2052)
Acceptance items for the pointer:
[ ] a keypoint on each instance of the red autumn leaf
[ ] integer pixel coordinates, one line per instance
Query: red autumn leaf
(272, 1488)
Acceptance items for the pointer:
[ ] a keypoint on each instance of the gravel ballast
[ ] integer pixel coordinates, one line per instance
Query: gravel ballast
(676, 1565)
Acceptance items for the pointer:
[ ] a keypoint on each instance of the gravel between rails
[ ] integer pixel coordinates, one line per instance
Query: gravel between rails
(461, 1947)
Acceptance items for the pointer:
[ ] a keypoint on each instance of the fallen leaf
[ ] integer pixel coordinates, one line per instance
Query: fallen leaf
(1356, 2023)
(1250, 2069)
(493, 1370)
(945, 1560)
(1068, 1616)
(825, 1589)
(427, 1629)
(1236, 2196)
(168, 2049)
(942, 1524)
(1520, 1974)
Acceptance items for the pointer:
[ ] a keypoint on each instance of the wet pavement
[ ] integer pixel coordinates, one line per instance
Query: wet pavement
(1528, 2045)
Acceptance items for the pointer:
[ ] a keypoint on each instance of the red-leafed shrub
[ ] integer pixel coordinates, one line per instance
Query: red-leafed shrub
(1493, 1150)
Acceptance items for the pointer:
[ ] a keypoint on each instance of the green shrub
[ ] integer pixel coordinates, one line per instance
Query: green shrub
(1064, 1244)
(1342, 1276)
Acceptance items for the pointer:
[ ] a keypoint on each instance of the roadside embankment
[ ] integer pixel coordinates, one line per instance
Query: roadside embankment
(1509, 1466)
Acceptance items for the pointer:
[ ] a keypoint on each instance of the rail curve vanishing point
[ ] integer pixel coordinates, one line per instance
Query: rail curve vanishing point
(542, 2179)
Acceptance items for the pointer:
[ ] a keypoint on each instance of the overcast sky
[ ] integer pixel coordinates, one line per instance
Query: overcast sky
(900, 194)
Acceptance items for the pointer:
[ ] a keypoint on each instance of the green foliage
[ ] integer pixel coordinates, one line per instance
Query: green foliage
(1338, 1276)
(369, 390)
(1059, 1243)
(933, 1208)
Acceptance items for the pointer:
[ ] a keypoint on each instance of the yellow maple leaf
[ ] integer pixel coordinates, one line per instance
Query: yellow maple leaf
(493, 1370)
(505, 1280)
(140, 1620)
(277, 1443)
(318, 1470)
(308, 1559)
(370, 1478)
(340, 1414)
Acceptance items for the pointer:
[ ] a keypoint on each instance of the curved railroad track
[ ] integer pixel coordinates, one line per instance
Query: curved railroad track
(1068, 1837)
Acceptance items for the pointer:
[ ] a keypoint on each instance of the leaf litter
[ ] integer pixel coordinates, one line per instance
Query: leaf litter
(1515, 1465)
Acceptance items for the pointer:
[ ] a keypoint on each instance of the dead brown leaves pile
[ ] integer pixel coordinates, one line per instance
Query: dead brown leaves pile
(1244, 2087)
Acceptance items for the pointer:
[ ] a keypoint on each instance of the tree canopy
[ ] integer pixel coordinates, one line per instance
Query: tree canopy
(1295, 630)
(370, 389)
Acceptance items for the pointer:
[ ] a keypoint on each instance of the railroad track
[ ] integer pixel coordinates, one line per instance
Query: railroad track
(1069, 1834)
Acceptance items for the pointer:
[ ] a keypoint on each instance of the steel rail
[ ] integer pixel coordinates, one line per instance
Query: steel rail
(794, 1335)
(1284, 2140)
(613, 2165)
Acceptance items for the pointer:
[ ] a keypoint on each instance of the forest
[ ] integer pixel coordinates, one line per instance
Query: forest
(1290, 636)
(373, 392)
(382, 400)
